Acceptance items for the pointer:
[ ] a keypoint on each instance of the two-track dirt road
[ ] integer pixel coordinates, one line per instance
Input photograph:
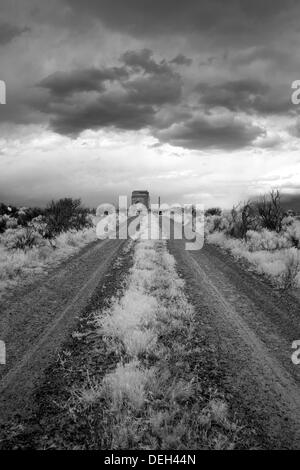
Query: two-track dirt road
(248, 325)
(252, 328)
(36, 320)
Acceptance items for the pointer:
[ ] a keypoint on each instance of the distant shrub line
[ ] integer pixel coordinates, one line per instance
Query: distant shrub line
(263, 233)
(25, 228)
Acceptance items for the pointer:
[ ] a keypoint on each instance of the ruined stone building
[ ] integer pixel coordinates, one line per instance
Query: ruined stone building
(141, 197)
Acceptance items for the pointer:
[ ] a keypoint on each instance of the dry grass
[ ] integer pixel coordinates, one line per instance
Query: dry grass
(152, 400)
(282, 266)
(127, 385)
(127, 321)
(89, 394)
(16, 265)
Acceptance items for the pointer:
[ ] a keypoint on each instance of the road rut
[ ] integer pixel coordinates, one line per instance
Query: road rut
(253, 327)
(35, 322)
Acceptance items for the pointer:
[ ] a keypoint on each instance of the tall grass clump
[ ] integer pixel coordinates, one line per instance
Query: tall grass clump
(153, 398)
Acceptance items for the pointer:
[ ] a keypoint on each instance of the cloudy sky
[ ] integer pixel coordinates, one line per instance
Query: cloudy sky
(190, 99)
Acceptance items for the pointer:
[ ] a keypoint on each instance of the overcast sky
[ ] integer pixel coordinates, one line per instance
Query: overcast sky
(190, 99)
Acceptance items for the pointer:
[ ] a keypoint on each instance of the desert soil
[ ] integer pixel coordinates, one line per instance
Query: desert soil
(252, 326)
(246, 329)
(36, 320)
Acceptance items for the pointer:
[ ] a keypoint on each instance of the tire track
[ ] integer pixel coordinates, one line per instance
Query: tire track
(252, 352)
(52, 310)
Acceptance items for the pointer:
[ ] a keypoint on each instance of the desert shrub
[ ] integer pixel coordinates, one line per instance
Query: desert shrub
(11, 217)
(74, 239)
(213, 211)
(242, 219)
(287, 220)
(289, 276)
(267, 240)
(22, 238)
(40, 226)
(215, 223)
(8, 210)
(18, 263)
(3, 208)
(293, 233)
(235, 227)
(27, 215)
(2, 224)
(265, 213)
(281, 266)
(270, 211)
(66, 214)
(11, 222)
(260, 232)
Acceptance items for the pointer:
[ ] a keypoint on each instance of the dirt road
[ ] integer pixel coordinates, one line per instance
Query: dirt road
(36, 320)
(247, 326)
(252, 328)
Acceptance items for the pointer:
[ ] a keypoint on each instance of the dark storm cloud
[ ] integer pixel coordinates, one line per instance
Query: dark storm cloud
(154, 90)
(245, 95)
(143, 59)
(144, 17)
(204, 132)
(181, 59)
(262, 53)
(143, 87)
(66, 83)
(108, 111)
(232, 95)
(158, 84)
(8, 32)
(230, 39)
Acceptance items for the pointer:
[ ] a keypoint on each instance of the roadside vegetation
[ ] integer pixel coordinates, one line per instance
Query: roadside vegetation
(32, 238)
(260, 232)
(154, 397)
(139, 371)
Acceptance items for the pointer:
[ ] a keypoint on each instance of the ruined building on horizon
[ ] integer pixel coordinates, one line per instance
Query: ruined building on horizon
(141, 197)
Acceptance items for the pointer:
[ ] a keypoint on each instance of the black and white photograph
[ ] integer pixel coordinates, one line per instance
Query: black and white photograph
(149, 228)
